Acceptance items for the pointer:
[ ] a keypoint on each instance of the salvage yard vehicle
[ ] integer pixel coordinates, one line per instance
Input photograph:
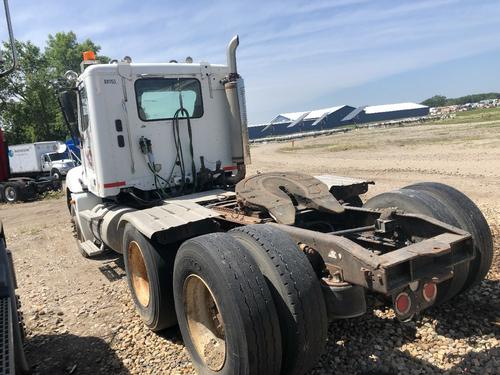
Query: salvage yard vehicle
(29, 169)
(251, 268)
(40, 159)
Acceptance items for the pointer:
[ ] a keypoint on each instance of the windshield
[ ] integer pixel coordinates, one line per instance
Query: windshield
(160, 98)
(56, 156)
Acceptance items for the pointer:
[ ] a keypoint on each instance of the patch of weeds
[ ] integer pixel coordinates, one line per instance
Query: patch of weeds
(53, 194)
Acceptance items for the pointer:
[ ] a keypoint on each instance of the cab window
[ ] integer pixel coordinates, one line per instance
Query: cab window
(84, 109)
(161, 98)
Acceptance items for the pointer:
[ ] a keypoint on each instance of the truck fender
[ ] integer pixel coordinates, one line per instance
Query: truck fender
(171, 222)
(74, 180)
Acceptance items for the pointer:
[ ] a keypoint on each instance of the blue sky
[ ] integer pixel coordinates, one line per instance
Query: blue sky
(297, 55)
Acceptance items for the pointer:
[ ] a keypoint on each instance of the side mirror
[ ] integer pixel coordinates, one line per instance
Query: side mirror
(68, 102)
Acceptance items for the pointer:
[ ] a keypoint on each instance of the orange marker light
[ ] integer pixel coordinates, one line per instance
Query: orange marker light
(88, 55)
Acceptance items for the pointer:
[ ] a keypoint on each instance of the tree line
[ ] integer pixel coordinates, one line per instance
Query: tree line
(441, 100)
(29, 110)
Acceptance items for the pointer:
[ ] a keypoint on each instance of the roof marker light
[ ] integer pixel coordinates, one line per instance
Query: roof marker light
(88, 56)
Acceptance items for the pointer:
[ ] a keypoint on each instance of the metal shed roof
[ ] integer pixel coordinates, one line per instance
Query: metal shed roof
(305, 115)
(354, 113)
(290, 116)
(317, 113)
(392, 107)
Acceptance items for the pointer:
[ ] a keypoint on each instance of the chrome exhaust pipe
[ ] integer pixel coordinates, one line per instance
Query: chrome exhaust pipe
(231, 54)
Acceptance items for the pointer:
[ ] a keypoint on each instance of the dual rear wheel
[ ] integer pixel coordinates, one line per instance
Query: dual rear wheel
(246, 301)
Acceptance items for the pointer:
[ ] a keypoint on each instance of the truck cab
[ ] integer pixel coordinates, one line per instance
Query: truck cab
(57, 164)
(171, 127)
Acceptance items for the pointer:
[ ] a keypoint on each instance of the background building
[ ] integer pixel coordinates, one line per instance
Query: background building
(328, 118)
(297, 122)
(386, 112)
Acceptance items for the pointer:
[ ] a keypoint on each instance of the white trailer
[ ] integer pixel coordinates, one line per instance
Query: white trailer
(252, 268)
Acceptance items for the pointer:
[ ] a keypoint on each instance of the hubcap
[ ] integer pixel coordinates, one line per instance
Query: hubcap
(205, 324)
(139, 275)
(10, 194)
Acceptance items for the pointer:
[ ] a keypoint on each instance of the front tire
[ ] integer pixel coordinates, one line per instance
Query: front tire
(11, 193)
(149, 272)
(77, 232)
(56, 174)
(225, 310)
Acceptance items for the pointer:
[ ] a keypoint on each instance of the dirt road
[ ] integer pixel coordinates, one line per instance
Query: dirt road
(80, 318)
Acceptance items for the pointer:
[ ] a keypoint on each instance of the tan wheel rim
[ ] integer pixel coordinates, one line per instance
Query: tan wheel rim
(205, 324)
(138, 273)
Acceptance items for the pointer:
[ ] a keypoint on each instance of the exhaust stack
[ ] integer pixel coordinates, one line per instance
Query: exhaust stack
(231, 54)
(235, 93)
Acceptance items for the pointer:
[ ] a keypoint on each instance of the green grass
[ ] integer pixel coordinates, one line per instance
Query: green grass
(475, 115)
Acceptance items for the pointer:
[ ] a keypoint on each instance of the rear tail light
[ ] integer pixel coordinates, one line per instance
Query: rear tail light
(402, 303)
(429, 291)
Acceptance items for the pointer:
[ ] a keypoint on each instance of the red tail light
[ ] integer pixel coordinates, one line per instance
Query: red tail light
(402, 303)
(429, 291)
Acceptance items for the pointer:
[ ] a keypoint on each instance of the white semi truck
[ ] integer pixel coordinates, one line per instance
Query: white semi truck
(251, 268)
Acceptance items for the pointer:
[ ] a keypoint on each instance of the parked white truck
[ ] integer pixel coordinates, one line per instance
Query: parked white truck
(29, 169)
(252, 268)
(40, 159)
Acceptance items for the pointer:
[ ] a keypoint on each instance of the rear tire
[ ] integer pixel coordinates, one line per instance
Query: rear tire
(149, 276)
(225, 310)
(469, 218)
(421, 202)
(296, 292)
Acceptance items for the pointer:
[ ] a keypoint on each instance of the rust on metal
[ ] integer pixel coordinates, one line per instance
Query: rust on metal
(230, 214)
(390, 271)
(138, 272)
(205, 322)
(283, 193)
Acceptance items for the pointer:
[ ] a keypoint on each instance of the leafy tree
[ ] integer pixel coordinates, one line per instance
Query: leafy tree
(28, 107)
(435, 101)
(64, 52)
(29, 111)
(439, 100)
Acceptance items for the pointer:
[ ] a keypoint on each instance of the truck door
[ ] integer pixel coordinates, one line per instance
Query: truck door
(46, 165)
